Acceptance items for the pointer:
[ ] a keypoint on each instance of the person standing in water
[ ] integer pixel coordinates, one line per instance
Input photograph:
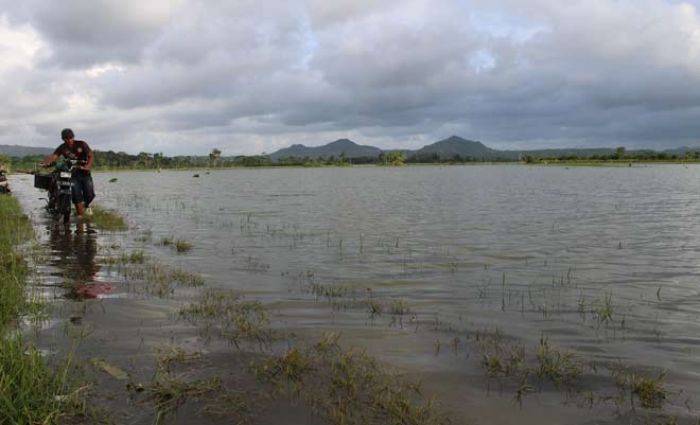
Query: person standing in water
(83, 189)
(4, 185)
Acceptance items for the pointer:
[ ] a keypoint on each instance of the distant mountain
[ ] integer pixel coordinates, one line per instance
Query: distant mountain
(456, 146)
(16, 150)
(343, 146)
(682, 150)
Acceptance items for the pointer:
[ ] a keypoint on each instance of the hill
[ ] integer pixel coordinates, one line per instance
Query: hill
(18, 151)
(454, 147)
(340, 147)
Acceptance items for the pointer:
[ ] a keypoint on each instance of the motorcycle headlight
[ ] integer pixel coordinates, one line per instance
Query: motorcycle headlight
(65, 175)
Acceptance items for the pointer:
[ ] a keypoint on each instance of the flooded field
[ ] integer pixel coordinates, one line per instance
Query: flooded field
(516, 295)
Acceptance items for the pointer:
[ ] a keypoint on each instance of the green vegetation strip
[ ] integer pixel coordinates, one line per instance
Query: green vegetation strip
(31, 392)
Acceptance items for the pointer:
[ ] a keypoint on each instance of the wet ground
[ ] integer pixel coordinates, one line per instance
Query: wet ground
(411, 264)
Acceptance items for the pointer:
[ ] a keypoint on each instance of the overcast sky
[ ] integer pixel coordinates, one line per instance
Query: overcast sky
(181, 76)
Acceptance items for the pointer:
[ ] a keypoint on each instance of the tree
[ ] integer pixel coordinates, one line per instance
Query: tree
(620, 152)
(214, 156)
(393, 158)
(145, 159)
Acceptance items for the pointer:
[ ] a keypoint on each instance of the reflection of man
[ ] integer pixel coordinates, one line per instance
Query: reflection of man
(75, 257)
(83, 188)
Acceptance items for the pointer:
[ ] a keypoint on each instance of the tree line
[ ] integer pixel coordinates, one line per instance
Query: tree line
(145, 160)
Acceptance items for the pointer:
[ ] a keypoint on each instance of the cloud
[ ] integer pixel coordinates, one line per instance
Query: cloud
(183, 76)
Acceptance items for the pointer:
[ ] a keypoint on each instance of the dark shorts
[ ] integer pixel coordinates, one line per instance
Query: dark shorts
(83, 189)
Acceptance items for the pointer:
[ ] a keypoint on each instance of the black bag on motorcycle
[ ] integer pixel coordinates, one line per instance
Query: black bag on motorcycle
(42, 181)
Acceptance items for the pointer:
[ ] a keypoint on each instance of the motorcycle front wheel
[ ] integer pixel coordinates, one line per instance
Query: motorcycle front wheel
(64, 207)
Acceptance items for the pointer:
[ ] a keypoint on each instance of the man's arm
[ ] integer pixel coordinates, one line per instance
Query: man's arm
(50, 159)
(91, 159)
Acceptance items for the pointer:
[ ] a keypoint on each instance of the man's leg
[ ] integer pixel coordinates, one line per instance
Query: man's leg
(78, 195)
(88, 190)
(80, 209)
(89, 194)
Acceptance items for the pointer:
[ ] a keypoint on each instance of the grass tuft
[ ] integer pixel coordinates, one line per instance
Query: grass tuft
(348, 387)
(236, 320)
(182, 246)
(650, 392)
(107, 220)
(169, 392)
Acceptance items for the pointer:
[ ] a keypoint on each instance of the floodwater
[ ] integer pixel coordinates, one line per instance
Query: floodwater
(529, 252)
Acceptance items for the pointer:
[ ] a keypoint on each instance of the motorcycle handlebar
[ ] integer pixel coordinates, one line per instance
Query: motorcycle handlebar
(71, 161)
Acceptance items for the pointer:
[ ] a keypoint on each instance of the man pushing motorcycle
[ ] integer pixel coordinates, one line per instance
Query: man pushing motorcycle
(83, 190)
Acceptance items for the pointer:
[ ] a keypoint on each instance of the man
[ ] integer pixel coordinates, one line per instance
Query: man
(83, 190)
(4, 185)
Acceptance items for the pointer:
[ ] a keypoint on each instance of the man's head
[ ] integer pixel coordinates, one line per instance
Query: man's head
(67, 135)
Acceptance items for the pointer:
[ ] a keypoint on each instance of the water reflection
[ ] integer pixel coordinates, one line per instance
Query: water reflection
(74, 257)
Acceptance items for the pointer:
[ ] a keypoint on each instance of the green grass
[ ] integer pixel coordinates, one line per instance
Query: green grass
(107, 220)
(31, 392)
(14, 229)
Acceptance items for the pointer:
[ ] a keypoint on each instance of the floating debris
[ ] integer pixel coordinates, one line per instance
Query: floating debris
(114, 371)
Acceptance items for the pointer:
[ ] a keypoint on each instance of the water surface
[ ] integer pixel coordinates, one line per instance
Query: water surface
(529, 251)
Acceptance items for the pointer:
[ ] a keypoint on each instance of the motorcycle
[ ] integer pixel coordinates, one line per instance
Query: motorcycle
(59, 184)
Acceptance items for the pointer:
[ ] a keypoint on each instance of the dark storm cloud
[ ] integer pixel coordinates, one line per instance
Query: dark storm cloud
(82, 33)
(250, 76)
